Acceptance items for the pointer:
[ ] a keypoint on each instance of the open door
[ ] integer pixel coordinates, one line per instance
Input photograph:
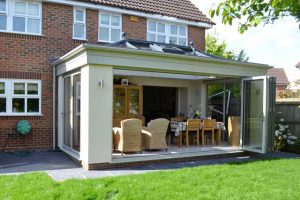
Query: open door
(257, 113)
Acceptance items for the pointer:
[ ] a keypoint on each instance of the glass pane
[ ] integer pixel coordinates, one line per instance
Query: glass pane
(76, 116)
(18, 105)
(182, 30)
(33, 26)
(33, 105)
(2, 5)
(215, 101)
(115, 21)
(19, 24)
(2, 88)
(152, 26)
(253, 114)
(33, 9)
(20, 8)
(104, 19)
(161, 39)
(174, 30)
(19, 88)
(119, 101)
(3, 22)
(32, 88)
(78, 30)
(115, 35)
(173, 40)
(134, 106)
(161, 28)
(182, 41)
(67, 112)
(104, 34)
(151, 37)
(2, 105)
(79, 15)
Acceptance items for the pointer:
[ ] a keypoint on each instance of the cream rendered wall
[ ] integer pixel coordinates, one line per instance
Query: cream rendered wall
(96, 114)
(189, 90)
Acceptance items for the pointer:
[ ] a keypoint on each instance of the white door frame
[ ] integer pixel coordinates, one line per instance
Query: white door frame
(265, 113)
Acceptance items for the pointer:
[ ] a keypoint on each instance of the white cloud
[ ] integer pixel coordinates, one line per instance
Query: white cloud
(275, 44)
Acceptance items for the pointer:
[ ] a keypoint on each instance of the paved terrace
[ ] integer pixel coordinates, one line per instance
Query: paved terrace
(60, 167)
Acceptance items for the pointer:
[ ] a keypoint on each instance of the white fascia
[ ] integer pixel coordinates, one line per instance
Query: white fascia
(130, 12)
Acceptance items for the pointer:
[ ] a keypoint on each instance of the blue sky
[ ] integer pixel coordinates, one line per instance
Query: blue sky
(275, 44)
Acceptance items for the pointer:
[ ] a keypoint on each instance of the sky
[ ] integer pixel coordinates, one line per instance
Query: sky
(275, 44)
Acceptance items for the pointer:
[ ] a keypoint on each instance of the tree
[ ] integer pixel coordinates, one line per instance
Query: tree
(253, 12)
(215, 47)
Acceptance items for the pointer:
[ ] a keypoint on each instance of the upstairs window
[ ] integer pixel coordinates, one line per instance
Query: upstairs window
(110, 28)
(27, 17)
(21, 16)
(79, 27)
(167, 33)
(3, 15)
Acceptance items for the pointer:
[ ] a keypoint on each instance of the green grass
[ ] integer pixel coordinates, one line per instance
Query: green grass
(272, 179)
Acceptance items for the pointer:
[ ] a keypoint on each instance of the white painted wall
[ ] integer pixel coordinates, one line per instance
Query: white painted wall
(96, 114)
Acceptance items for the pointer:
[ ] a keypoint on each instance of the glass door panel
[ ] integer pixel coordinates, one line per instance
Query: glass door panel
(253, 115)
(76, 115)
(119, 101)
(134, 101)
(67, 112)
(215, 101)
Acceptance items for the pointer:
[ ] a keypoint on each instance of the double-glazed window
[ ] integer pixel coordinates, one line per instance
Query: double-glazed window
(167, 33)
(21, 16)
(20, 97)
(79, 27)
(109, 27)
(3, 15)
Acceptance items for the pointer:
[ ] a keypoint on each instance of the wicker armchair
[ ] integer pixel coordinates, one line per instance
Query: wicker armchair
(154, 136)
(128, 137)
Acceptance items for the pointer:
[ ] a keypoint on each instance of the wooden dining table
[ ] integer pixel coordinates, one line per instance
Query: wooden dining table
(178, 127)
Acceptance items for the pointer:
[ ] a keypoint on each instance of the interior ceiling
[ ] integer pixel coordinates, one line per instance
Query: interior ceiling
(119, 72)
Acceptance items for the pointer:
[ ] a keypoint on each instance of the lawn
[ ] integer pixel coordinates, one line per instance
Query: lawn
(272, 179)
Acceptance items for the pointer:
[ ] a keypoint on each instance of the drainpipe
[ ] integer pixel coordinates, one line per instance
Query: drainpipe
(54, 108)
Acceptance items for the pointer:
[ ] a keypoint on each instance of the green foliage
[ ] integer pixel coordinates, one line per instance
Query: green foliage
(270, 179)
(251, 13)
(215, 47)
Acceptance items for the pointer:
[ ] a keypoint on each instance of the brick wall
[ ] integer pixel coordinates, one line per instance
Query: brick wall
(134, 29)
(197, 35)
(27, 57)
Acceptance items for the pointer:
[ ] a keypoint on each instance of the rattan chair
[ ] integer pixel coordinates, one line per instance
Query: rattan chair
(208, 125)
(154, 136)
(128, 137)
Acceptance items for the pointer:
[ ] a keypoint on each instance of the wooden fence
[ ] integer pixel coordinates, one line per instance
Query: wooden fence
(290, 111)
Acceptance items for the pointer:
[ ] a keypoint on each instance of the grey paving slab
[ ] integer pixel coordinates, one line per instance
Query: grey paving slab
(60, 167)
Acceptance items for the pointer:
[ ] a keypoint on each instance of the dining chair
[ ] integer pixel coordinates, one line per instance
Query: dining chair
(193, 125)
(208, 125)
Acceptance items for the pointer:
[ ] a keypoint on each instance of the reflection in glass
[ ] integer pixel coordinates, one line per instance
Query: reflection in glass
(134, 96)
(18, 105)
(19, 88)
(2, 105)
(33, 105)
(32, 88)
(119, 101)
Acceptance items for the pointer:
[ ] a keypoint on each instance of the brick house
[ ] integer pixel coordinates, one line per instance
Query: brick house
(50, 46)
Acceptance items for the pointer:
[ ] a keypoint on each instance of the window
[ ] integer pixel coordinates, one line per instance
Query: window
(20, 97)
(79, 28)
(109, 28)
(3, 15)
(22, 17)
(167, 33)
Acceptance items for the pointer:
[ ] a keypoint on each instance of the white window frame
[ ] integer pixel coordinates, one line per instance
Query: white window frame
(79, 22)
(9, 95)
(109, 26)
(167, 34)
(5, 13)
(10, 8)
